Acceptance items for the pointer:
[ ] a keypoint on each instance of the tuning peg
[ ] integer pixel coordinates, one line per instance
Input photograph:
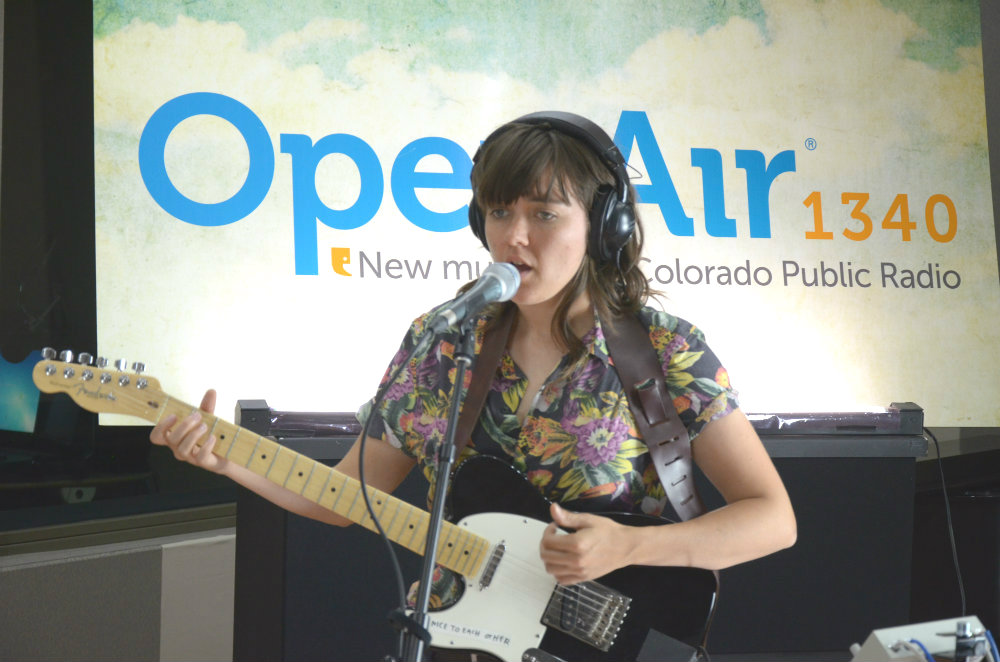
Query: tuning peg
(49, 354)
(138, 367)
(66, 356)
(101, 362)
(121, 364)
(85, 359)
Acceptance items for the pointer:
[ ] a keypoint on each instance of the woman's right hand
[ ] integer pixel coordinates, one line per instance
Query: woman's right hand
(186, 437)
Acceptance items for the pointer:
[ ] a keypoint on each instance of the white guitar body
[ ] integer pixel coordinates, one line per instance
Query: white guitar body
(505, 617)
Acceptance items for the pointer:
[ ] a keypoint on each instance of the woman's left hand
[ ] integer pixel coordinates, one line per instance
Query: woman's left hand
(597, 546)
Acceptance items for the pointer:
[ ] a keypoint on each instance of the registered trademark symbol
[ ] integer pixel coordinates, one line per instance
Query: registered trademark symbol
(810, 144)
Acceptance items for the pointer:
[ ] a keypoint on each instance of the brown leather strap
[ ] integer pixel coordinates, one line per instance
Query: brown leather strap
(660, 425)
(494, 341)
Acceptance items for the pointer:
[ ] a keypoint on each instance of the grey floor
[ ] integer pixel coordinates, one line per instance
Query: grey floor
(831, 656)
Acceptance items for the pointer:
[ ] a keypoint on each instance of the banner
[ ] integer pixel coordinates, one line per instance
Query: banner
(280, 192)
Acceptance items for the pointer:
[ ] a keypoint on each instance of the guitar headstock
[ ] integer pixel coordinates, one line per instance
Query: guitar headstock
(97, 386)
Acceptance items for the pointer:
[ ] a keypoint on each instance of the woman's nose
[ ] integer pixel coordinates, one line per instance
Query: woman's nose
(517, 230)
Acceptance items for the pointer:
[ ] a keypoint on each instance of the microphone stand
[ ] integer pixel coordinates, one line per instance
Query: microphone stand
(418, 635)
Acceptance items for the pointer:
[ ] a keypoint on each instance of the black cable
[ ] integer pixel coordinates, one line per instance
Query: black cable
(376, 402)
(951, 526)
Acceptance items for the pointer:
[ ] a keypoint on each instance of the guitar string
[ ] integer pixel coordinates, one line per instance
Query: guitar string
(589, 604)
(140, 402)
(592, 598)
(585, 596)
(589, 601)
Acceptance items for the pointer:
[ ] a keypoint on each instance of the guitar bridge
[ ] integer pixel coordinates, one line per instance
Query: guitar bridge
(589, 612)
(491, 566)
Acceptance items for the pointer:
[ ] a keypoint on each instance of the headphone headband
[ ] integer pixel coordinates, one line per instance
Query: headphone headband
(579, 127)
(612, 214)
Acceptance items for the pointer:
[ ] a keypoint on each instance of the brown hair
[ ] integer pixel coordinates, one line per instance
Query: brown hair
(538, 160)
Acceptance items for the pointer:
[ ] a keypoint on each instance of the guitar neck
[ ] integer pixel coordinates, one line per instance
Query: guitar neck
(405, 524)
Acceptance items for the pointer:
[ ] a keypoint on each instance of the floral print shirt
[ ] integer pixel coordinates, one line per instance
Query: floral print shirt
(579, 444)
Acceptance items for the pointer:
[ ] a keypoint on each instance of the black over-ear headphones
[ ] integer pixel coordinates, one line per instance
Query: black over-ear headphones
(612, 213)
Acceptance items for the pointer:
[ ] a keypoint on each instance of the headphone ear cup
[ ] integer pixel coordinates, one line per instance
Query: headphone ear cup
(477, 223)
(612, 223)
(619, 229)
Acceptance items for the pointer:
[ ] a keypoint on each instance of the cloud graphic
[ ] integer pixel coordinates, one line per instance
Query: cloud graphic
(890, 94)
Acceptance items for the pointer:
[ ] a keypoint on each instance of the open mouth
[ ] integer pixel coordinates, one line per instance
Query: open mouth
(521, 267)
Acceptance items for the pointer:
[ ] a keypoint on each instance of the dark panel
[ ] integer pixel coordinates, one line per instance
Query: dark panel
(847, 574)
(309, 591)
(975, 516)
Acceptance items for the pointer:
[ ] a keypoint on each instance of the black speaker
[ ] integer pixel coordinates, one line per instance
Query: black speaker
(975, 518)
(310, 591)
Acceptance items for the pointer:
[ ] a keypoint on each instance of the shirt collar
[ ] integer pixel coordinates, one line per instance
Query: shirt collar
(595, 343)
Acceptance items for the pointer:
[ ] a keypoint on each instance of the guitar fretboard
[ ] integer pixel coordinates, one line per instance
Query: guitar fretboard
(405, 524)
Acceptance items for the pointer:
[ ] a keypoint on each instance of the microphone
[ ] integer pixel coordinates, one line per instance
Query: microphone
(499, 282)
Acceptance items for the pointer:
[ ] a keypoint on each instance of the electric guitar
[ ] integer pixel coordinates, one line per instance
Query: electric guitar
(510, 607)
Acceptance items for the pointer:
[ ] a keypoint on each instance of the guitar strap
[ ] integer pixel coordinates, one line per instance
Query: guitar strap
(641, 374)
(638, 367)
(494, 342)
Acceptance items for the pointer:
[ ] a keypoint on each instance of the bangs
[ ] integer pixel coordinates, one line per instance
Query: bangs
(534, 162)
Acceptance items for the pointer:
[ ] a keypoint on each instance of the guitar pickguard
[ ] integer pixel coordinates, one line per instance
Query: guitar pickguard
(504, 617)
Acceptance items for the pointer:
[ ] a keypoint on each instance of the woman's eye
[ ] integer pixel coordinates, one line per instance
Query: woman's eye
(498, 213)
(546, 215)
